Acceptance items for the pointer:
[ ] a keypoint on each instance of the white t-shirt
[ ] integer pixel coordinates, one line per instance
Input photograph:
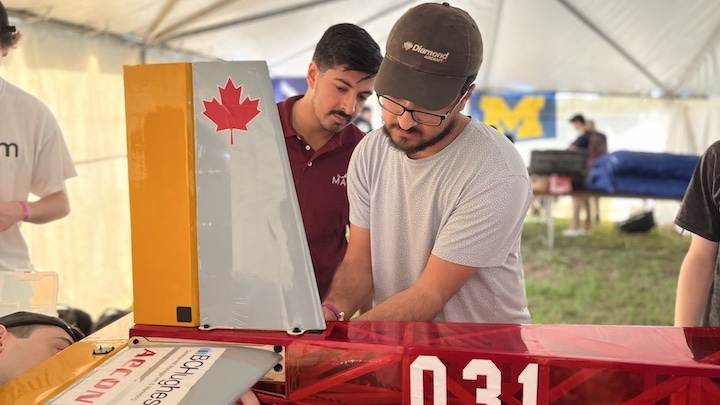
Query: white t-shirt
(465, 204)
(33, 159)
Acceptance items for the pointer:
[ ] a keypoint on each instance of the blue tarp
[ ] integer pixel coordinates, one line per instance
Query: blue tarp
(642, 173)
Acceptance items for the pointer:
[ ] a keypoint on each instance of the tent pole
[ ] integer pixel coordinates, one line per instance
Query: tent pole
(697, 61)
(167, 34)
(291, 55)
(615, 46)
(167, 8)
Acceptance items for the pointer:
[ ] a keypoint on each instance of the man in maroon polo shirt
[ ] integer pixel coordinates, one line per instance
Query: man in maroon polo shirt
(320, 138)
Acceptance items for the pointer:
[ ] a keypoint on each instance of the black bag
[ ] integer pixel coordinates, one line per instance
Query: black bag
(568, 163)
(638, 223)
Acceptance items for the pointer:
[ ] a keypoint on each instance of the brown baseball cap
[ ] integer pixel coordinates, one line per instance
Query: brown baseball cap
(4, 21)
(23, 318)
(431, 51)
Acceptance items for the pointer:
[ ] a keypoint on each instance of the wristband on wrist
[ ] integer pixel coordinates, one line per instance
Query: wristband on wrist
(340, 315)
(25, 209)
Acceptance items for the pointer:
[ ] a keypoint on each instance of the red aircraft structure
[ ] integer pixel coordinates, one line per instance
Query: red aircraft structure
(410, 363)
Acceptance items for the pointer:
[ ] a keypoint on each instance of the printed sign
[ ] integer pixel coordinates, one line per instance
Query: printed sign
(179, 373)
(166, 374)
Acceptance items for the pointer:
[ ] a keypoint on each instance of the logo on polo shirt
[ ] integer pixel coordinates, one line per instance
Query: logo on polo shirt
(340, 180)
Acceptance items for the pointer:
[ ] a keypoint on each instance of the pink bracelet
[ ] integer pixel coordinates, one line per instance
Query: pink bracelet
(340, 315)
(26, 210)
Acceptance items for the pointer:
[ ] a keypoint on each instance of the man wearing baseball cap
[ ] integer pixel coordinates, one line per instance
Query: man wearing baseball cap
(437, 199)
(27, 339)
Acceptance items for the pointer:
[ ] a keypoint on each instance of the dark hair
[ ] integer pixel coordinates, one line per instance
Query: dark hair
(24, 331)
(9, 37)
(467, 84)
(76, 317)
(109, 316)
(578, 118)
(350, 46)
(22, 323)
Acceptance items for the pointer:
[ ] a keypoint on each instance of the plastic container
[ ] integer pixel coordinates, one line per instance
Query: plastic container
(28, 291)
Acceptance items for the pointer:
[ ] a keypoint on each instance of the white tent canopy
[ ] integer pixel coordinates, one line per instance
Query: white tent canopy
(658, 61)
(641, 47)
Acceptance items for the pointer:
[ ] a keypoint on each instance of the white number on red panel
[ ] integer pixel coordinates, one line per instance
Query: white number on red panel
(490, 395)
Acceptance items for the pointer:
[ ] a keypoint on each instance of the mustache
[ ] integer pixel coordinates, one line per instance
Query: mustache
(342, 114)
(412, 130)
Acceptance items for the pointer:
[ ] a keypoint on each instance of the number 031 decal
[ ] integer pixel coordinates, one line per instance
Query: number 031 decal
(477, 367)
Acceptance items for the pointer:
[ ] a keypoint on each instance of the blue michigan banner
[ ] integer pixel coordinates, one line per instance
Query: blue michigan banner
(524, 116)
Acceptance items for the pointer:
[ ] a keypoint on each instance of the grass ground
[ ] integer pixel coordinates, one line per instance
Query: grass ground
(607, 278)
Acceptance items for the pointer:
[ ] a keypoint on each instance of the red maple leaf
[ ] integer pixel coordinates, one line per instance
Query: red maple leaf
(230, 113)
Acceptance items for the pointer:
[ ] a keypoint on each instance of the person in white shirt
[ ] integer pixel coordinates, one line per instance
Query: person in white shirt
(437, 199)
(33, 160)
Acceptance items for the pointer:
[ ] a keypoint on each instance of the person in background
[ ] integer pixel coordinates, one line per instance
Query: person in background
(33, 159)
(594, 144)
(698, 290)
(27, 339)
(437, 199)
(108, 316)
(76, 317)
(364, 120)
(320, 138)
(596, 148)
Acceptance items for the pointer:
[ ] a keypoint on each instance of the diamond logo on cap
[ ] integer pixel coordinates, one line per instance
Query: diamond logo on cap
(408, 45)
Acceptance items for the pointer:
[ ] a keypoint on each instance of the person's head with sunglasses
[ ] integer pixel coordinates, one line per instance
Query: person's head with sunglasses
(426, 78)
(28, 338)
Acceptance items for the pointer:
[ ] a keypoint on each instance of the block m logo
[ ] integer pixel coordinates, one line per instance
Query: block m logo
(526, 116)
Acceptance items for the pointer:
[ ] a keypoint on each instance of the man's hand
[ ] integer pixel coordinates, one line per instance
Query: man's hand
(10, 214)
(248, 398)
(352, 285)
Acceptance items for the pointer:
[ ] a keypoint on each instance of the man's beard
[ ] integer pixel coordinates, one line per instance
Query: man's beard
(410, 150)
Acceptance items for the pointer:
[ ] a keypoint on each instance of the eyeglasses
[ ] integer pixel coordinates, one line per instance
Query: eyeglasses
(421, 117)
